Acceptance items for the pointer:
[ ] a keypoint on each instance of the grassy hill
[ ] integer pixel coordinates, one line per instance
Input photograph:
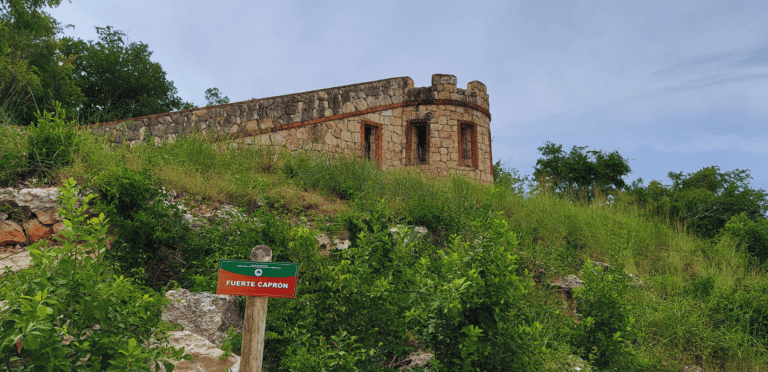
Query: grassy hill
(474, 291)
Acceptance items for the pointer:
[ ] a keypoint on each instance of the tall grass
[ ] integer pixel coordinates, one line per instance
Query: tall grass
(12, 154)
(702, 301)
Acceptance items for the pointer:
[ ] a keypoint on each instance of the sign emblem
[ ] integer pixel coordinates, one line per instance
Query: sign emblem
(258, 272)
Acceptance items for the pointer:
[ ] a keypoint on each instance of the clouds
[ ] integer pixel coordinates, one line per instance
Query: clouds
(611, 75)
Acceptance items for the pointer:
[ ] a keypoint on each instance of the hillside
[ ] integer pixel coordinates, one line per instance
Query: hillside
(475, 290)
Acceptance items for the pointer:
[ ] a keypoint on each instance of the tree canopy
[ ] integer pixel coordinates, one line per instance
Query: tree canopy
(214, 97)
(579, 173)
(118, 79)
(96, 81)
(705, 200)
(33, 71)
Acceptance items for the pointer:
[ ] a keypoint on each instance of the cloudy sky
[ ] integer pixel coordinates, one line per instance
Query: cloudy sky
(672, 85)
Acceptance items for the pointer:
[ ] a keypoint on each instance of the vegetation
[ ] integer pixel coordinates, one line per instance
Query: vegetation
(577, 173)
(94, 81)
(117, 79)
(474, 290)
(708, 201)
(466, 291)
(70, 309)
(213, 97)
(33, 72)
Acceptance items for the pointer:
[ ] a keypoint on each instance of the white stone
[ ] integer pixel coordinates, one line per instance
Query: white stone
(341, 244)
(208, 315)
(205, 355)
(17, 261)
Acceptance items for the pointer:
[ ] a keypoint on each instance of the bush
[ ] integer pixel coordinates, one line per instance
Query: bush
(13, 162)
(69, 311)
(51, 143)
(743, 309)
(222, 238)
(751, 235)
(606, 334)
(468, 305)
(149, 233)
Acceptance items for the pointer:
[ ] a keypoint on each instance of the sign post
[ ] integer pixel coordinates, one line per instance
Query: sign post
(258, 279)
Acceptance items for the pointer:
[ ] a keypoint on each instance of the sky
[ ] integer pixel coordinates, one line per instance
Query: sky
(673, 86)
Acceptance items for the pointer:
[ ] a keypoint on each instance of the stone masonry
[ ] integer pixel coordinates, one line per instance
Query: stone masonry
(441, 128)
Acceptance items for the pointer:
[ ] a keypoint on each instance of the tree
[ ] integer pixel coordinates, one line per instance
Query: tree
(705, 200)
(213, 96)
(509, 178)
(118, 79)
(580, 173)
(33, 71)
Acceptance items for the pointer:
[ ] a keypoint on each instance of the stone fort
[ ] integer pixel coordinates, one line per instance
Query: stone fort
(441, 129)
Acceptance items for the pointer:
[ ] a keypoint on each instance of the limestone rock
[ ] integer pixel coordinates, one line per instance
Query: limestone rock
(635, 281)
(341, 243)
(11, 233)
(323, 241)
(419, 359)
(205, 355)
(568, 283)
(399, 232)
(48, 216)
(16, 261)
(606, 267)
(38, 199)
(206, 314)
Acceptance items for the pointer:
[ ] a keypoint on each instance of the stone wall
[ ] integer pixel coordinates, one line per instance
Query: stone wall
(337, 120)
(28, 215)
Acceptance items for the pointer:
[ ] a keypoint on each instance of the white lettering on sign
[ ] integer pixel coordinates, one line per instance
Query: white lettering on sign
(239, 283)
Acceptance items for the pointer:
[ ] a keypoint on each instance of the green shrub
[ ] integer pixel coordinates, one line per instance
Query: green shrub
(751, 235)
(744, 310)
(221, 238)
(149, 233)
(69, 311)
(12, 155)
(468, 305)
(607, 333)
(52, 142)
(233, 344)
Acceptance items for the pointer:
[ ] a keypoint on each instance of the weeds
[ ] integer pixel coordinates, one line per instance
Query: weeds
(464, 292)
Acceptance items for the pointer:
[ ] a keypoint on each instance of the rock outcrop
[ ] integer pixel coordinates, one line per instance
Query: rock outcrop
(205, 355)
(27, 215)
(208, 315)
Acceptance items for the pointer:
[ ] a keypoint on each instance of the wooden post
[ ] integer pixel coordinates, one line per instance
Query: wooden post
(255, 321)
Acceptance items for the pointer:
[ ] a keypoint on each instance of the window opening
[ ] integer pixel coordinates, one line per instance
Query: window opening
(371, 140)
(417, 143)
(468, 145)
(421, 144)
(369, 146)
